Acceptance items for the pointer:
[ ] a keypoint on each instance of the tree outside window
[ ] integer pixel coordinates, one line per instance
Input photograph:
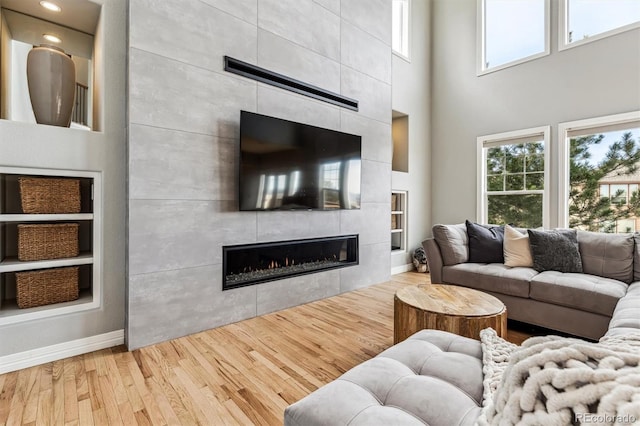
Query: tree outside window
(515, 184)
(603, 181)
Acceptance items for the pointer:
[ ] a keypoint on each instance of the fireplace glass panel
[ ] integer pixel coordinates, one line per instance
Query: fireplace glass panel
(255, 263)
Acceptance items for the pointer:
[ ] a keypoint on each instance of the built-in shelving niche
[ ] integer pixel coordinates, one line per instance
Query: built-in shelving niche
(400, 136)
(398, 221)
(23, 24)
(89, 261)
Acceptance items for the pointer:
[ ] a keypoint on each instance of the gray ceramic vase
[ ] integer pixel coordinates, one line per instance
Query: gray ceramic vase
(51, 75)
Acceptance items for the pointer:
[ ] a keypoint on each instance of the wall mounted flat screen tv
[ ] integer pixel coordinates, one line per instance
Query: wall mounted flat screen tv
(286, 165)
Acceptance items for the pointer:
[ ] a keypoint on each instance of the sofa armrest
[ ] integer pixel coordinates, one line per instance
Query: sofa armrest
(434, 259)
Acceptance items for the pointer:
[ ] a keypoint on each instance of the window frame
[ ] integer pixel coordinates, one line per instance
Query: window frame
(563, 29)
(590, 124)
(481, 41)
(406, 57)
(508, 138)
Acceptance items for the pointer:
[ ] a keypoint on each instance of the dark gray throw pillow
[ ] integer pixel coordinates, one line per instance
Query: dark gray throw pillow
(555, 250)
(485, 243)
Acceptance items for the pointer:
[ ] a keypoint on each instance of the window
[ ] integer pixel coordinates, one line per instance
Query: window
(618, 194)
(582, 21)
(513, 178)
(601, 173)
(625, 226)
(272, 188)
(400, 27)
(511, 32)
(330, 175)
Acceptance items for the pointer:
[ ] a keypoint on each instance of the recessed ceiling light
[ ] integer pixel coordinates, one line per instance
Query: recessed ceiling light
(52, 38)
(50, 6)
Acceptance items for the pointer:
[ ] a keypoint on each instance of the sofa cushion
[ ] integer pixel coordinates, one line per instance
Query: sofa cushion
(494, 277)
(433, 377)
(485, 243)
(453, 243)
(517, 251)
(580, 291)
(607, 255)
(555, 250)
(626, 316)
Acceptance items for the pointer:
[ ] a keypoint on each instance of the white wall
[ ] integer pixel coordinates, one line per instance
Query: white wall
(5, 68)
(596, 79)
(40, 146)
(411, 96)
(20, 101)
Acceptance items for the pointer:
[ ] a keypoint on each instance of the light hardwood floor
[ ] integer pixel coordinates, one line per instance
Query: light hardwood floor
(244, 373)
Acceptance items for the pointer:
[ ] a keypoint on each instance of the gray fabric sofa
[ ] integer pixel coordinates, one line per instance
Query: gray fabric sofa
(579, 304)
(435, 377)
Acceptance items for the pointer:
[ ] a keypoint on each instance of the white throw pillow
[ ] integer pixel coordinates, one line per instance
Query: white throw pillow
(516, 248)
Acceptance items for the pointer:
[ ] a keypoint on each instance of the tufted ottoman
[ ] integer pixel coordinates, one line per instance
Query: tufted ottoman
(432, 378)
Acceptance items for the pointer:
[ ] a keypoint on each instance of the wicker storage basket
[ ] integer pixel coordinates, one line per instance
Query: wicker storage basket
(47, 286)
(49, 195)
(47, 241)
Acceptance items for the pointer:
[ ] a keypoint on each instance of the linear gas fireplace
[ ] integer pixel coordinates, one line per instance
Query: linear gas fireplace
(255, 263)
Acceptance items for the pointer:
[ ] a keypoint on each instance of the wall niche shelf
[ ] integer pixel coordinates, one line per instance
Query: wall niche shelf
(24, 25)
(89, 239)
(400, 139)
(398, 221)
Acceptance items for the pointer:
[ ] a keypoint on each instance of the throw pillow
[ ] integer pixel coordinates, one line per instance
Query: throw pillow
(485, 243)
(453, 243)
(607, 255)
(517, 251)
(555, 250)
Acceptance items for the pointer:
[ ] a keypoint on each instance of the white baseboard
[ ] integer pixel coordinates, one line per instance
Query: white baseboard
(39, 356)
(402, 268)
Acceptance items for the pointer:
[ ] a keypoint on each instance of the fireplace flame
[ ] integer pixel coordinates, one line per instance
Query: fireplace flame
(283, 263)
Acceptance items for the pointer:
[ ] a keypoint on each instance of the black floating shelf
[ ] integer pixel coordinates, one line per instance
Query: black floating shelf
(254, 72)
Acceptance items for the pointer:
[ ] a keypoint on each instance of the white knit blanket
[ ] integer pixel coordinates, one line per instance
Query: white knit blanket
(555, 380)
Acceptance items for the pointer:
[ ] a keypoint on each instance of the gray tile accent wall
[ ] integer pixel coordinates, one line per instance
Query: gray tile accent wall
(285, 57)
(244, 9)
(357, 49)
(304, 22)
(184, 113)
(191, 31)
(375, 135)
(206, 170)
(373, 229)
(282, 294)
(373, 16)
(373, 94)
(288, 106)
(173, 95)
(184, 301)
(331, 5)
(375, 261)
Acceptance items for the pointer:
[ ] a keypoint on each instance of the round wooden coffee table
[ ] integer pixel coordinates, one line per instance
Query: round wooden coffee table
(460, 310)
